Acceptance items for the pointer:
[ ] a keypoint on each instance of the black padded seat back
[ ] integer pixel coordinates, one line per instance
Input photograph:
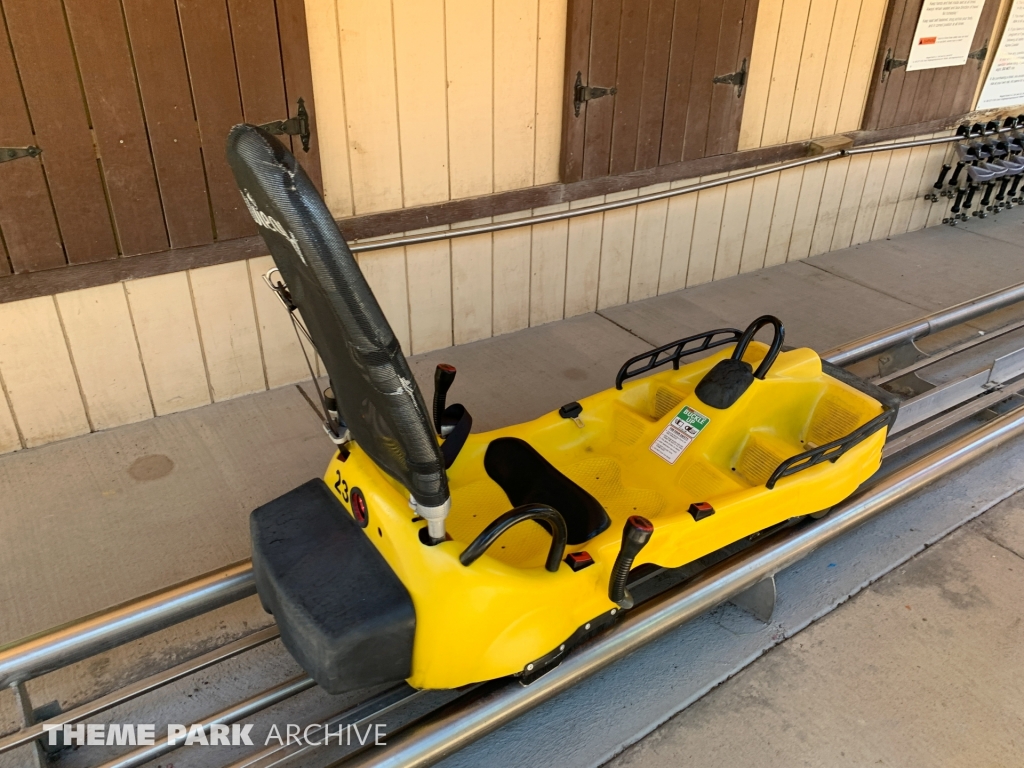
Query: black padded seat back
(526, 477)
(377, 395)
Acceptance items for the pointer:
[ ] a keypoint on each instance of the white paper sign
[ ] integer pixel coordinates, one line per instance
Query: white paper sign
(1004, 85)
(945, 31)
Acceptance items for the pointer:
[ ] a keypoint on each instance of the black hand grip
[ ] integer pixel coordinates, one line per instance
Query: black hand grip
(987, 198)
(1002, 188)
(969, 201)
(959, 199)
(635, 535)
(1013, 187)
(955, 178)
(444, 375)
(942, 177)
(773, 349)
(542, 512)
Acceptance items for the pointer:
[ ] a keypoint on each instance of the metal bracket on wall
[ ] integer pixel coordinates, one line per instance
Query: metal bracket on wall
(15, 153)
(582, 93)
(891, 64)
(738, 79)
(293, 126)
(979, 54)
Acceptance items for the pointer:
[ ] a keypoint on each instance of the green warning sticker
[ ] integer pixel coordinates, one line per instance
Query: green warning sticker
(679, 433)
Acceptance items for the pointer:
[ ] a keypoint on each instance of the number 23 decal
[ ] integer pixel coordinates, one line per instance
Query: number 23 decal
(341, 486)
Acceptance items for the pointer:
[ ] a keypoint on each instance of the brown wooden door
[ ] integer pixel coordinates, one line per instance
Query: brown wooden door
(662, 57)
(898, 97)
(130, 102)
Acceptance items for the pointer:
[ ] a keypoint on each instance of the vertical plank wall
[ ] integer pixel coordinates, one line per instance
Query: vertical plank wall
(130, 101)
(407, 98)
(100, 357)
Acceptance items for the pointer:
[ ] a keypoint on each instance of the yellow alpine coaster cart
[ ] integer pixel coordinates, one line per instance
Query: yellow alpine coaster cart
(442, 557)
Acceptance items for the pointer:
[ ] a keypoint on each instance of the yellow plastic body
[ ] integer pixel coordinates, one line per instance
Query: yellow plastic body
(505, 610)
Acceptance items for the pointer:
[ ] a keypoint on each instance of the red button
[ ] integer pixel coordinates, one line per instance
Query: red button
(700, 510)
(578, 560)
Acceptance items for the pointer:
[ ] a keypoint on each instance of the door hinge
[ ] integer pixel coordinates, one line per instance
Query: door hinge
(738, 79)
(891, 64)
(293, 126)
(979, 54)
(582, 93)
(15, 153)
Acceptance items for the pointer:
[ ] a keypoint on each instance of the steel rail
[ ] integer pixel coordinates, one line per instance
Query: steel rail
(500, 226)
(232, 714)
(938, 357)
(937, 321)
(141, 687)
(908, 144)
(77, 640)
(64, 645)
(427, 744)
(367, 712)
(934, 426)
(528, 221)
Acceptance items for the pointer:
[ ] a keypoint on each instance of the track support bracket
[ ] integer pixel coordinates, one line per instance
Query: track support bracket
(758, 600)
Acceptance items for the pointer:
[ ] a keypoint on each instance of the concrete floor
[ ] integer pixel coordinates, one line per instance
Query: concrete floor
(924, 667)
(96, 520)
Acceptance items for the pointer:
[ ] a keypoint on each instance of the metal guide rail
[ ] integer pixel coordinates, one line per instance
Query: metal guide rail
(965, 132)
(744, 573)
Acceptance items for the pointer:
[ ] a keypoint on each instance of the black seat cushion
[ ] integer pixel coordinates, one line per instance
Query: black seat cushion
(526, 477)
(725, 383)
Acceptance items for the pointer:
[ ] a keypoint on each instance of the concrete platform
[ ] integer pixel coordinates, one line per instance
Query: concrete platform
(924, 667)
(819, 308)
(96, 520)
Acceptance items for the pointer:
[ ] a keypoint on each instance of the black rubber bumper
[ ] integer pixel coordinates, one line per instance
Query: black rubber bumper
(342, 612)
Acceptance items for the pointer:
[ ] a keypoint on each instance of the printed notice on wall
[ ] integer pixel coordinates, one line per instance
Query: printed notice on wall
(945, 31)
(1004, 85)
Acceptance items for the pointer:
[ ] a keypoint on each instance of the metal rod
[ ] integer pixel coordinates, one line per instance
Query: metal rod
(37, 730)
(946, 353)
(227, 716)
(369, 711)
(527, 221)
(947, 318)
(99, 632)
(432, 237)
(429, 743)
(902, 145)
(948, 419)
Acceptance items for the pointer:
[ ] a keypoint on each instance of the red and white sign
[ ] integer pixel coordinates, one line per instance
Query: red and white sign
(945, 31)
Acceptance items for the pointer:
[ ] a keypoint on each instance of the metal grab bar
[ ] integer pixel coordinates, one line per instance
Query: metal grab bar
(539, 512)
